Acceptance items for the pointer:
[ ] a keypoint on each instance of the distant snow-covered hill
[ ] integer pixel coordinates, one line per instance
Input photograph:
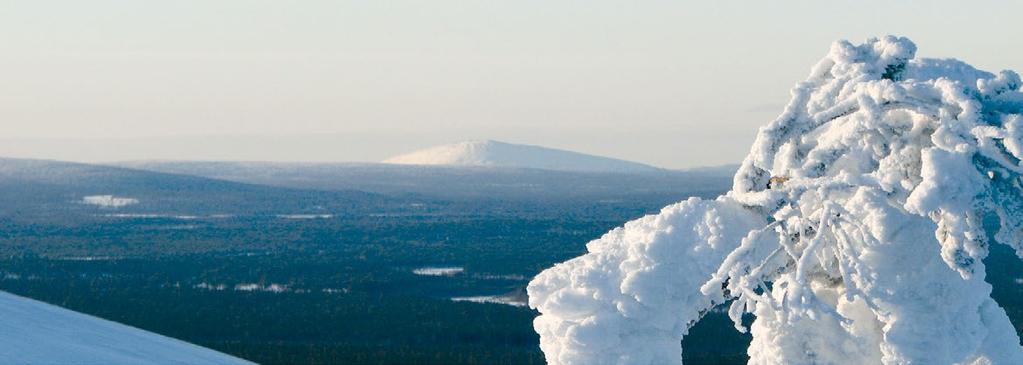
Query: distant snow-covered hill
(33, 332)
(500, 154)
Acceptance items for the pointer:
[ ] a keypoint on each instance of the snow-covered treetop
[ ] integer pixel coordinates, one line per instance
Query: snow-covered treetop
(853, 231)
(938, 137)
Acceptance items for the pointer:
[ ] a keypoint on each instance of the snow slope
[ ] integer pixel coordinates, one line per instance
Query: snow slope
(32, 332)
(853, 231)
(500, 154)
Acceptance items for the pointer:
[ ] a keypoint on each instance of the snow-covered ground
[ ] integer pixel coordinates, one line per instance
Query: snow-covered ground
(252, 287)
(491, 299)
(109, 201)
(272, 288)
(32, 332)
(305, 216)
(500, 154)
(185, 217)
(438, 271)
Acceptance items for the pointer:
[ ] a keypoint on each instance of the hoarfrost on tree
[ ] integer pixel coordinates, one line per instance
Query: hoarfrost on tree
(853, 231)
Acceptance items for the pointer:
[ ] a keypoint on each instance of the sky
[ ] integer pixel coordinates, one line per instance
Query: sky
(670, 83)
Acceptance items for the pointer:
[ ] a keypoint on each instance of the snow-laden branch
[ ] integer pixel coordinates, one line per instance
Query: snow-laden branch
(853, 231)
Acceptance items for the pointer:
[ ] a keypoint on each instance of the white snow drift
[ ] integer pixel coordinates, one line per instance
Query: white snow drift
(500, 154)
(852, 231)
(33, 332)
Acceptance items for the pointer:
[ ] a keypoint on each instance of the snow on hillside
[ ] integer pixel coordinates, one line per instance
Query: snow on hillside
(500, 154)
(853, 231)
(108, 201)
(32, 332)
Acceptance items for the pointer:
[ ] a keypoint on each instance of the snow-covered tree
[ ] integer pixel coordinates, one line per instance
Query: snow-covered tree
(853, 231)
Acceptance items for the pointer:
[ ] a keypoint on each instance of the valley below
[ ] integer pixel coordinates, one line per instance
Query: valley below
(279, 272)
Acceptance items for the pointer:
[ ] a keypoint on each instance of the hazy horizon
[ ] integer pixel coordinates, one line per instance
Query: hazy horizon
(323, 148)
(667, 84)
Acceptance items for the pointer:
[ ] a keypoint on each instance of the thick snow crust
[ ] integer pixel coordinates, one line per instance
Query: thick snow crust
(852, 232)
(33, 332)
(500, 154)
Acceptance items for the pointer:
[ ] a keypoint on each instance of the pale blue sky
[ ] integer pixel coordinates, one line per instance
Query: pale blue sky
(669, 83)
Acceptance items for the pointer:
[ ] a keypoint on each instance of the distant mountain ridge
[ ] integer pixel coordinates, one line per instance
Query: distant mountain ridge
(501, 154)
(452, 182)
(37, 186)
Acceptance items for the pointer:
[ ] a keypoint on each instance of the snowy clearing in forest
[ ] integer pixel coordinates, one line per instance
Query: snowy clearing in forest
(438, 271)
(108, 201)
